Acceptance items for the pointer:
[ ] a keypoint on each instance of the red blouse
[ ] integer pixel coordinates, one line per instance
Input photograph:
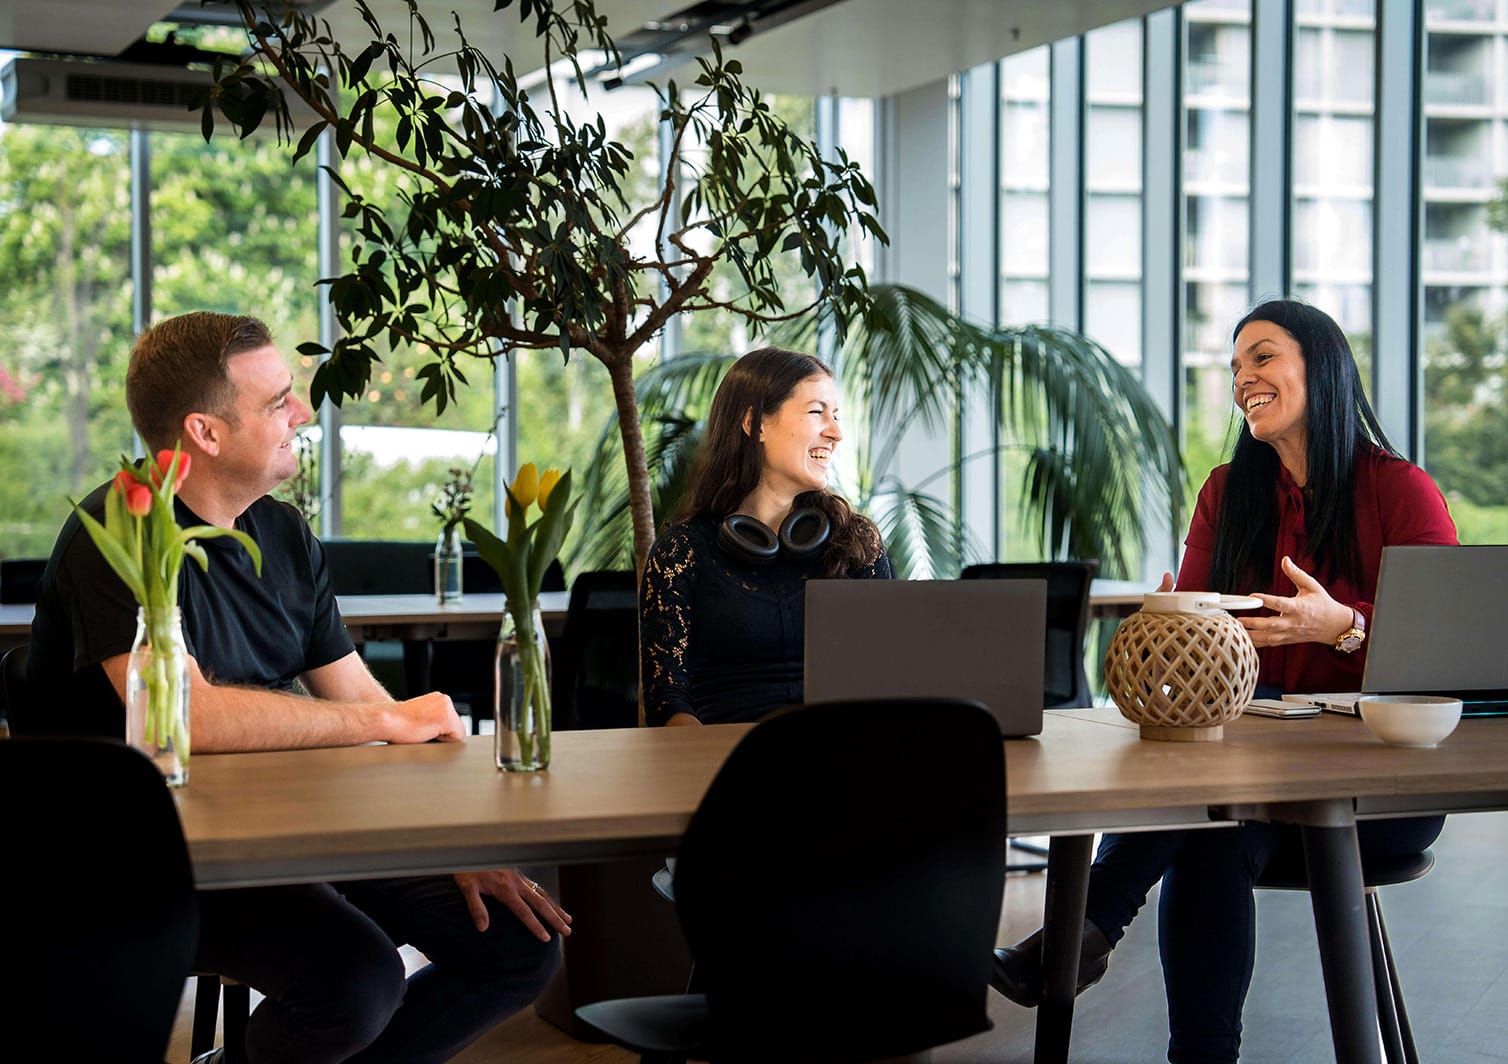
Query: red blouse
(1396, 503)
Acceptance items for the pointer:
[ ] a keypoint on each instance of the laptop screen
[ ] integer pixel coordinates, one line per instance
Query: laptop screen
(1440, 623)
(976, 639)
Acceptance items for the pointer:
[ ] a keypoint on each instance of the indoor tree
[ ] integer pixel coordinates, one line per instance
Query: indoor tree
(514, 231)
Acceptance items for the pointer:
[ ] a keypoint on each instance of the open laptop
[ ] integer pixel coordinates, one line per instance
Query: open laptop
(1439, 626)
(976, 639)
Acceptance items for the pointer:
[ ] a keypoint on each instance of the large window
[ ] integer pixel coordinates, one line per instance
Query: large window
(1024, 183)
(1216, 182)
(1112, 185)
(1333, 161)
(65, 323)
(1464, 265)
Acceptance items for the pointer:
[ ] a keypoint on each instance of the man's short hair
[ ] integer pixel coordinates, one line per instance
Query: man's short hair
(178, 367)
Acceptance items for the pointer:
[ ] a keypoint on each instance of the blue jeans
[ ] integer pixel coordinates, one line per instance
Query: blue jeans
(1206, 914)
(326, 958)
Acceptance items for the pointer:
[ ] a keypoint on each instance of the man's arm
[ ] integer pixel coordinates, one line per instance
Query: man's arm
(349, 707)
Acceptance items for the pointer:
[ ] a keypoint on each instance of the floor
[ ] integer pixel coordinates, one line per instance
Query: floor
(1449, 933)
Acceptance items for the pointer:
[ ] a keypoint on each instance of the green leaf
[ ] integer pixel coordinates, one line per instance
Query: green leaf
(307, 141)
(196, 552)
(115, 554)
(188, 535)
(493, 551)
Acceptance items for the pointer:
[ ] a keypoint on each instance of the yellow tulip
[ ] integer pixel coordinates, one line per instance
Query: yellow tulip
(526, 485)
(547, 482)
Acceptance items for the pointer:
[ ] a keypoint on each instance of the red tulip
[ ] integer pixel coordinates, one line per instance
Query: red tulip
(164, 462)
(123, 481)
(138, 500)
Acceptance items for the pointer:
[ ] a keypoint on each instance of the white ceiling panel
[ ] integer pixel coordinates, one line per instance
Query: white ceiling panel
(852, 47)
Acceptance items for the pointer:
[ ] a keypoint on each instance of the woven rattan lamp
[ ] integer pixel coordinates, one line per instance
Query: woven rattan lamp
(1182, 666)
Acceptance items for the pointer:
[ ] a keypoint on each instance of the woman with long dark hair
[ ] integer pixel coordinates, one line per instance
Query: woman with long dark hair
(1299, 517)
(723, 600)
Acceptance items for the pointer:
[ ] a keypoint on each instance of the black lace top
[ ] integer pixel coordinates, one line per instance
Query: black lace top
(720, 638)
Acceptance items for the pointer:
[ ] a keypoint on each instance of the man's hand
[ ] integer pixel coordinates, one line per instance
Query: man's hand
(1310, 616)
(523, 897)
(418, 720)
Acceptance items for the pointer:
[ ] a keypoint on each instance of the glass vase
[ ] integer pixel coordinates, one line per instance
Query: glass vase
(521, 694)
(448, 566)
(157, 692)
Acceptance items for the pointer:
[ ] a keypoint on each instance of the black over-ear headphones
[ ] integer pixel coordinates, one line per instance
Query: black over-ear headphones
(749, 539)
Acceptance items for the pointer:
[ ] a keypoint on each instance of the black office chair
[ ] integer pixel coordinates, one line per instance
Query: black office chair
(886, 820)
(15, 702)
(378, 566)
(19, 579)
(383, 567)
(91, 973)
(1286, 871)
(596, 658)
(1064, 681)
(14, 706)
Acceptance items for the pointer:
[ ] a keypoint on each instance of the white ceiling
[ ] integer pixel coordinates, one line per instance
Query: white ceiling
(853, 47)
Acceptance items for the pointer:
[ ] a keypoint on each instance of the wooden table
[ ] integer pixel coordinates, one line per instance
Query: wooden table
(293, 816)
(377, 810)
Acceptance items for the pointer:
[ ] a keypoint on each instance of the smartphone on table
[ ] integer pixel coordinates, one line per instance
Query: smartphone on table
(1276, 707)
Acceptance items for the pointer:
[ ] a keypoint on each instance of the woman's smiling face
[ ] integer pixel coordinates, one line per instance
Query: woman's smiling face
(1268, 378)
(800, 436)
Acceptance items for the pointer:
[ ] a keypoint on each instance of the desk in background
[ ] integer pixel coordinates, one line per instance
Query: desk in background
(410, 617)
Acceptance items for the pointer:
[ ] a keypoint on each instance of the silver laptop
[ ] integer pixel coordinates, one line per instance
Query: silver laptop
(1439, 626)
(976, 639)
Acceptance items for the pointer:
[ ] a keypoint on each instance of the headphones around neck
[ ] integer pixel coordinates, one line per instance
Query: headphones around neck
(801, 535)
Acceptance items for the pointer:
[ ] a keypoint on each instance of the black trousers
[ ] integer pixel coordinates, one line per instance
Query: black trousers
(1206, 917)
(326, 957)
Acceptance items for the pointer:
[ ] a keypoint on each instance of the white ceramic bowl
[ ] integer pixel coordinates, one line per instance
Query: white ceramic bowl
(1410, 720)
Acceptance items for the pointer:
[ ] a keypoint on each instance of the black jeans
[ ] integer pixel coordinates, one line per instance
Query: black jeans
(1206, 914)
(326, 958)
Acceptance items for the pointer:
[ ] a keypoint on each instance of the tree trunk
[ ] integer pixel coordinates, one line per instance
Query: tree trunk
(620, 370)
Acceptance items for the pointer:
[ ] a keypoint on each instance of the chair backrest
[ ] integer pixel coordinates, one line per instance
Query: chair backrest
(597, 656)
(15, 698)
(840, 883)
(479, 578)
(19, 579)
(94, 973)
(379, 566)
(1065, 683)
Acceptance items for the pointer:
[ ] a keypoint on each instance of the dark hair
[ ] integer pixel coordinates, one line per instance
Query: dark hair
(1339, 421)
(731, 459)
(178, 367)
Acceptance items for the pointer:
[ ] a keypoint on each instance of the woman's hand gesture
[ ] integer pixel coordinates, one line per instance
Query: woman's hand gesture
(1309, 616)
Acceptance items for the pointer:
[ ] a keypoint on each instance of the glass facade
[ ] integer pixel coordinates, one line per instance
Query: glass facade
(65, 232)
(1464, 262)
(65, 323)
(1113, 188)
(1216, 123)
(1025, 92)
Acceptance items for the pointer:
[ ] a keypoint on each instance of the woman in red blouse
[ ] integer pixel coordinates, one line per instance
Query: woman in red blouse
(1298, 517)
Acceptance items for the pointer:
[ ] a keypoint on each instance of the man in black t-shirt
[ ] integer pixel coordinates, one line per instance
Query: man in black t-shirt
(323, 954)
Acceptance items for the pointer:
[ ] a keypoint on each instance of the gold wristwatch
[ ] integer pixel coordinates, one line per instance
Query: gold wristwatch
(1352, 638)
